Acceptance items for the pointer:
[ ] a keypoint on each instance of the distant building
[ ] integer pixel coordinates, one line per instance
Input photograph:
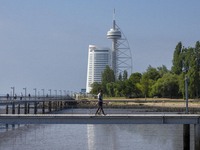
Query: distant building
(83, 90)
(98, 59)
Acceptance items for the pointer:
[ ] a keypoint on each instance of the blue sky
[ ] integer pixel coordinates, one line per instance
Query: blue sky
(44, 43)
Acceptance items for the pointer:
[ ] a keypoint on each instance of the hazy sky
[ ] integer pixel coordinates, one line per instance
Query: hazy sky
(44, 43)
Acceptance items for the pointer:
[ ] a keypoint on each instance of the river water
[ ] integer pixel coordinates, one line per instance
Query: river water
(93, 137)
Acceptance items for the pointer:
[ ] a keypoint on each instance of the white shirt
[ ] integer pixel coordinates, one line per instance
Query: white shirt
(100, 98)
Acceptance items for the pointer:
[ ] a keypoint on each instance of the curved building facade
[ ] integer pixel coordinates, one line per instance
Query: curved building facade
(98, 59)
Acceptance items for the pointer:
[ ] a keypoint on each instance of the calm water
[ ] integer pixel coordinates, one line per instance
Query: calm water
(93, 137)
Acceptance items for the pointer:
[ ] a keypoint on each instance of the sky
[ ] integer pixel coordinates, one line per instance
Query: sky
(44, 43)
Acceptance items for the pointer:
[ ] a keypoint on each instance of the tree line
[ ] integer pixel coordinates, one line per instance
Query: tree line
(157, 82)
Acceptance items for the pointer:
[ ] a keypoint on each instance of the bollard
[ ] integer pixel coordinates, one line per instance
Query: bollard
(186, 137)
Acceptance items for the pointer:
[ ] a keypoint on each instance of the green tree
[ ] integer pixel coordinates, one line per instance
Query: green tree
(167, 86)
(134, 80)
(129, 88)
(145, 85)
(118, 88)
(197, 69)
(148, 79)
(181, 79)
(193, 76)
(110, 89)
(107, 77)
(193, 71)
(162, 70)
(120, 77)
(152, 73)
(177, 60)
(135, 77)
(95, 87)
(125, 75)
(190, 58)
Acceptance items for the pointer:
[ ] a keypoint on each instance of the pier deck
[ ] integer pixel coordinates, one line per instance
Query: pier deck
(92, 119)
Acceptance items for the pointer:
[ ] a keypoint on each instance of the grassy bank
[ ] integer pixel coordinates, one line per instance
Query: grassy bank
(146, 105)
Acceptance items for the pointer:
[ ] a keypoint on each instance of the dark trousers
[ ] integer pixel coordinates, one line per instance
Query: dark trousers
(100, 108)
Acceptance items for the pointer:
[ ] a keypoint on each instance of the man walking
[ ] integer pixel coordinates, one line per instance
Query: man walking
(100, 103)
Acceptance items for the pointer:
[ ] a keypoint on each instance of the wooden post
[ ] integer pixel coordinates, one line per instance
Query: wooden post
(186, 137)
(55, 106)
(196, 137)
(35, 107)
(7, 109)
(61, 105)
(65, 104)
(13, 108)
(43, 107)
(58, 105)
(25, 108)
(49, 106)
(28, 109)
(18, 108)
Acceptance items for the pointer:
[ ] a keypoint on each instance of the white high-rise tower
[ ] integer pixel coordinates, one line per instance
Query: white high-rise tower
(98, 59)
(121, 53)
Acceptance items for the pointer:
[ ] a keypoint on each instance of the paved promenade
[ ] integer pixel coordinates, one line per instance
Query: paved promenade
(99, 119)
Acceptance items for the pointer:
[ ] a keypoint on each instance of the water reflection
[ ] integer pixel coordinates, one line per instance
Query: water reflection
(93, 137)
(90, 137)
(155, 137)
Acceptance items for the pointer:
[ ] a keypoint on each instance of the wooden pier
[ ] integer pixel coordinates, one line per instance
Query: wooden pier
(32, 105)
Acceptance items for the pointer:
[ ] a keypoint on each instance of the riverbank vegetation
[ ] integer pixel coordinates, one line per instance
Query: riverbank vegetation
(157, 82)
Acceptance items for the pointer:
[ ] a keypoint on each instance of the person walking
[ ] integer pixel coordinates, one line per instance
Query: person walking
(100, 103)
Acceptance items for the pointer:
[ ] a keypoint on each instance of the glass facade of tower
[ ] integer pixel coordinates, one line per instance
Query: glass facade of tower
(98, 59)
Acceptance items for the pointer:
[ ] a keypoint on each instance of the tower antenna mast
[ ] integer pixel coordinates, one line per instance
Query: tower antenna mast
(114, 19)
(121, 55)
